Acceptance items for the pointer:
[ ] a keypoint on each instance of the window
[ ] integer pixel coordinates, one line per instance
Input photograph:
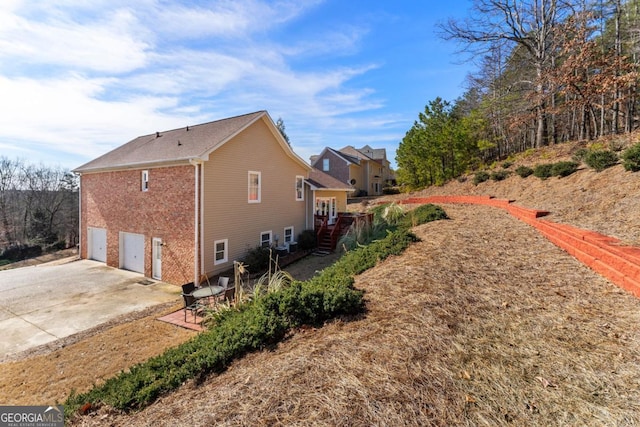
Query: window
(288, 235)
(325, 165)
(299, 187)
(254, 187)
(221, 251)
(265, 239)
(144, 184)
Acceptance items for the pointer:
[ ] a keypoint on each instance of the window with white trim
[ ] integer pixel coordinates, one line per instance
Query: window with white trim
(288, 235)
(221, 251)
(255, 183)
(299, 187)
(144, 180)
(265, 239)
(325, 165)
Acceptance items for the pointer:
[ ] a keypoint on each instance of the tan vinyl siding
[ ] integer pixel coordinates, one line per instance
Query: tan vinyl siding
(355, 172)
(227, 212)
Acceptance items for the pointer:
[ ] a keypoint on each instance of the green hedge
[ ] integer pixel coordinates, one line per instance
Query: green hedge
(253, 326)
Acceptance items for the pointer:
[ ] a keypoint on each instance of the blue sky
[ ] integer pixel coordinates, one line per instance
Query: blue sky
(81, 77)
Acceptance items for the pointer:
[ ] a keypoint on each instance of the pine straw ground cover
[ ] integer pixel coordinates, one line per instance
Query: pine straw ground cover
(484, 322)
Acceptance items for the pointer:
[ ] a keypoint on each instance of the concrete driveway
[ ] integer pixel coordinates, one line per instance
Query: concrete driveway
(43, 303)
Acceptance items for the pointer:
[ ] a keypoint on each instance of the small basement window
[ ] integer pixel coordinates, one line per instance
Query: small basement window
(221, 251)
(265, 239)
(288, 235)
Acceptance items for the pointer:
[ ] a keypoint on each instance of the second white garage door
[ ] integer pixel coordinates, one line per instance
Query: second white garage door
(132, 255)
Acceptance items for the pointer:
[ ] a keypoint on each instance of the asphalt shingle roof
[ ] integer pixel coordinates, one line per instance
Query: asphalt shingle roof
(174, 145)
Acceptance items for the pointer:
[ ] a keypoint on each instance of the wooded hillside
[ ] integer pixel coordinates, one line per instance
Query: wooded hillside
(38, 208)
(549, 71)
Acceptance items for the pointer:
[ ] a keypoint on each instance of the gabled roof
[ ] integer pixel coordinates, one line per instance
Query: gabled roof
(347, 158)
(374, 153)
(181, 145)
(319, 180)
(353, 152)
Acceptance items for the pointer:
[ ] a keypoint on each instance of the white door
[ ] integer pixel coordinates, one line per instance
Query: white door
(156, 254)
(97, 244)
(132, 255)
(326, 206)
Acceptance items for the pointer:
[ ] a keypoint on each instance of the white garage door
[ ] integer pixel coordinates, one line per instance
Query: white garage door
(133, 252)
(97, 244)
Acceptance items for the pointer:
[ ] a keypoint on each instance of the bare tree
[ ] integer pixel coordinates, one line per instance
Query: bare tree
(9, 184)
(38, 205)
(529, 24)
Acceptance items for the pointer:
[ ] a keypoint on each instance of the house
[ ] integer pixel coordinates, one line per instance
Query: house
(180, 204)
(366, 169)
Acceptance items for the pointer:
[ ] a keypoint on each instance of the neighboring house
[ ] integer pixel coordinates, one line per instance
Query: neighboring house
(366, 169)
(180, 204)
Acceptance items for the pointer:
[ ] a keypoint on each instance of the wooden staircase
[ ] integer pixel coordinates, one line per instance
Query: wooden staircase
(327, 235)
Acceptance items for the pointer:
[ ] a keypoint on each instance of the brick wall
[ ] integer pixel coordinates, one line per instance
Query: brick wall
(115, 201)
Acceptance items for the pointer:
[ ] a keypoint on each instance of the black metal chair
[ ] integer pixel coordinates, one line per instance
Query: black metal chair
(190, 302)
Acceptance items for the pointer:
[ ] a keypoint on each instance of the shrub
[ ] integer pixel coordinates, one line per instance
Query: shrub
(307, 240)
(479, 177)
(390, 190)
(543, 171)
(580, 154)
(601, 159)
(562, 169)
(57, 246)
(257, 259)
(393, 213)
(507, 165)
(423, 214)
(631, 158)
(462, 178)
(524, 171)
(20, 252)
(499, 175)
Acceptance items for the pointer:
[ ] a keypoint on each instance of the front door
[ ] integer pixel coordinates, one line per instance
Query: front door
(156, 266)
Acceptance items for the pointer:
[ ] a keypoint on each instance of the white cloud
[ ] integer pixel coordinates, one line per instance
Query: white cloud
(107, 71)
(106, 45)
(66, 113)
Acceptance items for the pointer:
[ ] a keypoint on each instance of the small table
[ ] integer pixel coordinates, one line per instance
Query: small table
(207, 292)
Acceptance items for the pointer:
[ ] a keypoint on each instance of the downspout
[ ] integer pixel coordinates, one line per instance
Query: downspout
(80, 216)
(201, 217)
(306, 209)
(313, 209)
(196, 227)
